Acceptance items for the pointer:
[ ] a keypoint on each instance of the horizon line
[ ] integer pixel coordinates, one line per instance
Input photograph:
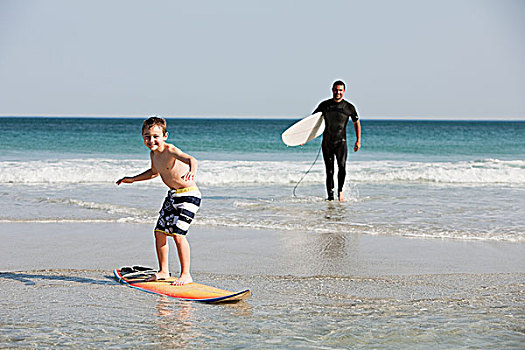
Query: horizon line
(281, 117)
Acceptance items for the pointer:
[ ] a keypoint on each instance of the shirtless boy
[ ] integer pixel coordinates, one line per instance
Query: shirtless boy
(177, 170)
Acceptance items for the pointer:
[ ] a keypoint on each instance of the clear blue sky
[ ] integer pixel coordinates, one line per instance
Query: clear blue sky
(403, 58)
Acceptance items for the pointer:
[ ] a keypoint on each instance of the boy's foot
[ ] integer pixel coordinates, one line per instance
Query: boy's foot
(157, 277)
(182, 280)
(341, 198)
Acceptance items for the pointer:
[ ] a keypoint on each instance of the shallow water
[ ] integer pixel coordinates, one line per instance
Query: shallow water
(459, 180)
(489, 213)
(89, 309)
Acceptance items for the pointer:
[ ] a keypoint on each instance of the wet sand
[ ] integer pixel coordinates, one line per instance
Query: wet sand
(310, 290)
(29, 246)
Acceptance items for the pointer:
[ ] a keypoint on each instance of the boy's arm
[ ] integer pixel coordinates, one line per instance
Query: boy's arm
(146, 175)
(187, 159)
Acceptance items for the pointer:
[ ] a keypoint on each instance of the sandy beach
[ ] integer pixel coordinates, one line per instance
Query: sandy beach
(26, 246)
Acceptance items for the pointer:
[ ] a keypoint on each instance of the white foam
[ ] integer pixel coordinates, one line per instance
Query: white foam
(68, 170)
(488, 171)
(217, 173)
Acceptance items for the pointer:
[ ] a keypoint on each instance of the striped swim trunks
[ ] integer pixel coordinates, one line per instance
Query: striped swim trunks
(178, 211)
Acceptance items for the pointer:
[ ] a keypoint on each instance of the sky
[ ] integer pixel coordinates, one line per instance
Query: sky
(452, 59)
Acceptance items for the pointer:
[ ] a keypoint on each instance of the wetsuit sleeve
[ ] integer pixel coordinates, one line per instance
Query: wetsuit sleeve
(319, 108)
(352, 112)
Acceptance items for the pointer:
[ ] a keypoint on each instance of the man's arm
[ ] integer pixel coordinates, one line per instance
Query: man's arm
(320, 108)
(357, 127)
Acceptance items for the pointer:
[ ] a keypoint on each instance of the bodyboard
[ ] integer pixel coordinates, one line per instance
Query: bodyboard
(134, 277)
(304, 130)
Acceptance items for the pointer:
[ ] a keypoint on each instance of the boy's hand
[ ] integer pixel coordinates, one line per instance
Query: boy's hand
(127, 180)
(189, 176)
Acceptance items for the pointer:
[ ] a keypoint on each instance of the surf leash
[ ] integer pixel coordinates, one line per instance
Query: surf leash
(306, 173)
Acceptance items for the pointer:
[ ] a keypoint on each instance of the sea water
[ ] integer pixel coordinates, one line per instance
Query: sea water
(436, 179)
(444, 182)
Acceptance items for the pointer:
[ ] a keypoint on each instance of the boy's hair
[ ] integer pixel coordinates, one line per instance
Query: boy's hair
(154, 121)
(339, 82)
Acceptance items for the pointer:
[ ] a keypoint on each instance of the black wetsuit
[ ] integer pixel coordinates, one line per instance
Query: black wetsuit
(336, 116)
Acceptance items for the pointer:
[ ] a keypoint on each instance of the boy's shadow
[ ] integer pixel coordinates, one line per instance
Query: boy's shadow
(28, 279)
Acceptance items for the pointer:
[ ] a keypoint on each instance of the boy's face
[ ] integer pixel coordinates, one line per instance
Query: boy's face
(154, 138)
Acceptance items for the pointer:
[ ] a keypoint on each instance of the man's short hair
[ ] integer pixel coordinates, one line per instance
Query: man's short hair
(339, 82)
(154, 121)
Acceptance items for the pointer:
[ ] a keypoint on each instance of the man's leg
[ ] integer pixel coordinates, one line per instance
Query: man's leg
(341, 154)
(328, 156)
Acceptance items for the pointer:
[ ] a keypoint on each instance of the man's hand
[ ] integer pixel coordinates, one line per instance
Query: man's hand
(357, 146)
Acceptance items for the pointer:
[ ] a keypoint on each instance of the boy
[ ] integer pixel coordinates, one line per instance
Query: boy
(183, 198)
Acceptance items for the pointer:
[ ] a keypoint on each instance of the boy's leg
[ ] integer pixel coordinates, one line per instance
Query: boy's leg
(162, 247)
(161, 244)
(185, 207)
(183, 249)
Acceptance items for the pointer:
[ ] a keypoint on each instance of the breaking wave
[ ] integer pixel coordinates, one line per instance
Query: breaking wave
(217, 173)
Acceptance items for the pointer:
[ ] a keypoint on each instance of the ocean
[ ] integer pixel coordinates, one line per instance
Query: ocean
(425, 253)
(434, 179)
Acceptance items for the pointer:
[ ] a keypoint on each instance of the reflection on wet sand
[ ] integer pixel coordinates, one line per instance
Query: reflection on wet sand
(178, 326)
(326, 253)
(175, 323)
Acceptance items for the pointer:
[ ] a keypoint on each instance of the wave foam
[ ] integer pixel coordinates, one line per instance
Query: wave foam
(216, 173)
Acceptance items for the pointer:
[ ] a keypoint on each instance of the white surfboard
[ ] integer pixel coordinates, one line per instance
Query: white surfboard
(304, 130)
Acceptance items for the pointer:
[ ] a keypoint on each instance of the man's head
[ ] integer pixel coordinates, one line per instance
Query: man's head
(338, 90)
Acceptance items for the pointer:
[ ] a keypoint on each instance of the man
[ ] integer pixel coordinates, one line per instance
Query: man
(336, 112)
